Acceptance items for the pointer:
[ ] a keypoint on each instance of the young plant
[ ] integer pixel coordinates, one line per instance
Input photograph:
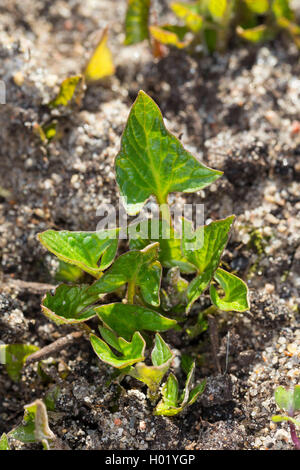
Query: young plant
(34, 428)
(211, 23)
(289, 402)
(151, 162)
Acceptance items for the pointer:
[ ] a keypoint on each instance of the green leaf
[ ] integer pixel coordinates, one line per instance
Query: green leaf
(140, 268)
(236, 292)
(281, 9)
(170, 253)
(69, 304)
(67, 91)
(153, 162)
(217, 8)
(168, 405)
(167, 37)
(296, 398)
(288, 400)
(171, 404)
(101, 63)
(161, 352)
(285, 399)
(196, 392)
(35, 427)
(4, 442)
(152, 375)
(14, 357)
(260, 7)
(136, 22)
(257, 34)
(189, 14)
(132, 352)
(82, 249)
(125, 319)
(203, 248)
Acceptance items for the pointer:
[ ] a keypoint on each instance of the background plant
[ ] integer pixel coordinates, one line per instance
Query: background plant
(211, 24)
(289, 402)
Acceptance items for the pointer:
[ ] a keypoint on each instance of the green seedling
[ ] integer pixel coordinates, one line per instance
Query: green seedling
(212, 23)
(289, 402)
(172, 402)
(14, 357)
(35, 427)
(162, 272)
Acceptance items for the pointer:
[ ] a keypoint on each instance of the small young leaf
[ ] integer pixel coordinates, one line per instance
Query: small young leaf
(66, 92)
(236, 292)
(189, 13)
(168, 405)
(14, 357)
(82, 249)
(152, 375)
(100, 64)
(288, 400)
(125, 319)
(204, 250)
(35, 424)
(153, 162)
(136, 22)
(161, 352)
(166, 37)
(140, 268)
(4, 442)
(69, 304)
(132, 352)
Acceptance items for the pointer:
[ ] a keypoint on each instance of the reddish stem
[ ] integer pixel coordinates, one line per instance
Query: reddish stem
(295, 438)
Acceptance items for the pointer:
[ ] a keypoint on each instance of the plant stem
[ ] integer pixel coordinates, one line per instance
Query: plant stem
(295, 438)
(130, 292)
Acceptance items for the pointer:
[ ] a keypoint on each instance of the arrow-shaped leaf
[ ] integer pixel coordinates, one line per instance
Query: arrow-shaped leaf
(152, 161)
(203, 248)
(83, 249)
(131, 352)
(125, 319)
(236, 292)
